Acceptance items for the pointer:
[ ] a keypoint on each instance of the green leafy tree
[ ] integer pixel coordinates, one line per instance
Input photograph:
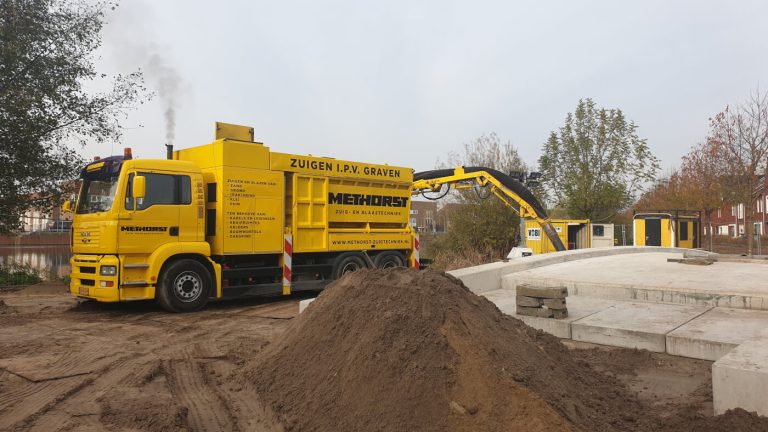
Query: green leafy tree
(481, 226)
(596, 164)
(46, 60)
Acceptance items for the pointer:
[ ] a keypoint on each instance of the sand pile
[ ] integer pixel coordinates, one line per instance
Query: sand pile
(400, 350)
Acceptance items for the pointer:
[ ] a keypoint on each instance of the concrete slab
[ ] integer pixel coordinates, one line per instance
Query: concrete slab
(716, 332)
(649, 277)
(740, 378)
(578, 308)
(634, 325)
(488, 277)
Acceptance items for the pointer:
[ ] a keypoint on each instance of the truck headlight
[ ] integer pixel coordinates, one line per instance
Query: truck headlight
(108, 270)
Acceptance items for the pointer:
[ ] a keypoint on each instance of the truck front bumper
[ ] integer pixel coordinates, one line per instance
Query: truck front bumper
(90, 281)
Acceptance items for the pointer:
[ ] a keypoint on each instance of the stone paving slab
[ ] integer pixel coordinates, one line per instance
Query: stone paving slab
(716, 332)
(578, 308)
(634, 325)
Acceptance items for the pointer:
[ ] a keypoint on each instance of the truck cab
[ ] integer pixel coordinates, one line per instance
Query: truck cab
(119, 240)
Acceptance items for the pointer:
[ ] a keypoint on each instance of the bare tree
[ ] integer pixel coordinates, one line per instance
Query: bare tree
(743, 134)
(704, 172)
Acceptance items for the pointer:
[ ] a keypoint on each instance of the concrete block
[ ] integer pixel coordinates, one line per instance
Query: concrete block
(740, 378)
(634, 325)
(716, 332)
(529, 301)
(559, 313)
(554, 303)
(304, 303)
(558, 291)
(535, 311)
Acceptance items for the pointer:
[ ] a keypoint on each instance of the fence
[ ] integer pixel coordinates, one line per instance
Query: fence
(32, 224)
(623, 235)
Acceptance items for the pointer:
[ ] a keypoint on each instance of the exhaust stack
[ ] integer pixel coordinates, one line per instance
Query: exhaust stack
(169, 151)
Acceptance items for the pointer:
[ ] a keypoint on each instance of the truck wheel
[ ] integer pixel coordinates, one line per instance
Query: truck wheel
(347, 263)
(389, 260)
(185, 286)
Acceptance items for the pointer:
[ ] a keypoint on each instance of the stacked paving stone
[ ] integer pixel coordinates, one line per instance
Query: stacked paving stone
(544, 302)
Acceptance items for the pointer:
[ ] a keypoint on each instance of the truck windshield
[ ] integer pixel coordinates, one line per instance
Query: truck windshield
(97, 195)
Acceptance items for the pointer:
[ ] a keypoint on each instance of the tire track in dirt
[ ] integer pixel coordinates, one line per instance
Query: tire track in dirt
(84, 401)
(141, 369)
(24, 403)
(189, 386)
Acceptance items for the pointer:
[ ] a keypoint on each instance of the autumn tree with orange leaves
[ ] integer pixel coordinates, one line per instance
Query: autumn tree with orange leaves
(704, 174)
(741, 134)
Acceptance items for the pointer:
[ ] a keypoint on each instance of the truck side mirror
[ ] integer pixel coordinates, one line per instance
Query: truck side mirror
(139, 187)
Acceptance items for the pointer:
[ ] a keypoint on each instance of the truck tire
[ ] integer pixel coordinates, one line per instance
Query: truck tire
(347, 263)
(389, 260)
(185, 286)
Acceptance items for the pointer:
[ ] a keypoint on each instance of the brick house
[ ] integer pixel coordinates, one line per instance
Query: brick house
(729, 220)
(423, 214)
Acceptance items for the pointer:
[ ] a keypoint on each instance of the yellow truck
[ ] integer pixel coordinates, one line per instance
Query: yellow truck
(233, 218)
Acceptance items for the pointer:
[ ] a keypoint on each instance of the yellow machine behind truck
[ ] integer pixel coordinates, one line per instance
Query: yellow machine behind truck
(233, 218)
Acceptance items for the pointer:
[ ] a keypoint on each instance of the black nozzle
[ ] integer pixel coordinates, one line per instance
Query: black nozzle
(169, 151)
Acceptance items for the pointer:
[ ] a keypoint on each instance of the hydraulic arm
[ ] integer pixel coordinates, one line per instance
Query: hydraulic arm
(510, 191)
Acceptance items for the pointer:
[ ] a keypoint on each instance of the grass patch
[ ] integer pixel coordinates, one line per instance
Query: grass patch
(12, 274)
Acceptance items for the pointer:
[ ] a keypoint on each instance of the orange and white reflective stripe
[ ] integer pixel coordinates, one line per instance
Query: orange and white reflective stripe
(287, 258)
(416, 251)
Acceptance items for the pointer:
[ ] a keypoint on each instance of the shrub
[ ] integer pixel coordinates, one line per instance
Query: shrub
(12, 274)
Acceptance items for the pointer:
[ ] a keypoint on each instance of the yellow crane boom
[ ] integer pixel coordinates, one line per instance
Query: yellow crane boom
(508, 190)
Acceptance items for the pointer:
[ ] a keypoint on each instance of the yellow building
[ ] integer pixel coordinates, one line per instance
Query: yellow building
(673, 228)
(574, 233)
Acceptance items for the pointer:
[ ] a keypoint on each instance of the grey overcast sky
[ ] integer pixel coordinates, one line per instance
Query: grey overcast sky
(403, 82)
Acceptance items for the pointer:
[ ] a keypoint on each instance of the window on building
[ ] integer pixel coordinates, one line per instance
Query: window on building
(413, 222)
(414, 212)
(161, 189)
(719, 213)
(598, 230)
(758, 228)
(733, 211)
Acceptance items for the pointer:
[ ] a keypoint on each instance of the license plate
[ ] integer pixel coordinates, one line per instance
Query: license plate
(83, 291)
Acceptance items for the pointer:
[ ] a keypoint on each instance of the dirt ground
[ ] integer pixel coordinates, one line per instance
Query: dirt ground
(71, 365)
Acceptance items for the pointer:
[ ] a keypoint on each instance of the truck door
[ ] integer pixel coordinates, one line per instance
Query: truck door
(653, 232)
(154, 220)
